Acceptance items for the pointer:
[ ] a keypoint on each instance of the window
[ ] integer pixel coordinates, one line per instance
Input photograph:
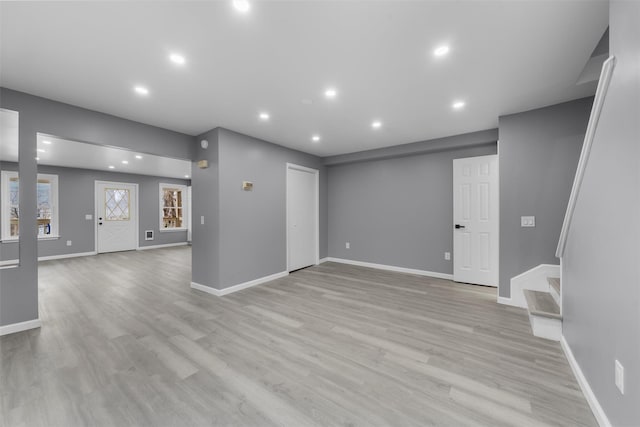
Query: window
(47, 199)
(173, 199)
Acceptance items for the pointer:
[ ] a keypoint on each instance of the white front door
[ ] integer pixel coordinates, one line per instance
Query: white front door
(302, 217)
(475, 219)
(116, 216)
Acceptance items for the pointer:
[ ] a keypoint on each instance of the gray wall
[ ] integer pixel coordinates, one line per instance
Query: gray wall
(76, 198)
(396, 211)
(539, 152)
(19, 286)
(600, 276)
(251, 226)
(205, 248)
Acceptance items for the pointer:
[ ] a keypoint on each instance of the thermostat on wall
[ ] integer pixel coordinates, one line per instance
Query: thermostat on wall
(247, 185)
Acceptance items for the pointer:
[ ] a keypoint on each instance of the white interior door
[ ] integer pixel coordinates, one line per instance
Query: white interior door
(116, 216)
(302, 217)
(475, 219)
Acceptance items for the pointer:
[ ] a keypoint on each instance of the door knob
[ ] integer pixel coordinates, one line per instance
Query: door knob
(458, 226)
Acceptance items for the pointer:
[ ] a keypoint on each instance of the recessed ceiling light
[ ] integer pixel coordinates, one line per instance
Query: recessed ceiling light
(40, 150)
(125, 162)
(46, 141)
(441, 51)
(177, 59)
(141, 90)
(330, 93)
(315, 138)
(138, 156)
(264, 116)
(242, 5)
(376, 124)
(37, 158)
(111, 167)
(458, 105)
(186, 176)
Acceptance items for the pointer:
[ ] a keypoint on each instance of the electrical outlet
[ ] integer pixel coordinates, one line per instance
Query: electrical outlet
(527, 221)
(347, 245)
(619, 376)
(202, 220)
(88, 217)
(447, 256)
(69, 242)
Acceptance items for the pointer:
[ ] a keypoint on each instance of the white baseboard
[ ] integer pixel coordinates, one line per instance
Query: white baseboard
(323, 260)
(238, 287)
(392, 268)
(19, 327)
(597, 410)
(534, 279)
(504, 300)
(15, 262)
(64, 256)
(166, 245)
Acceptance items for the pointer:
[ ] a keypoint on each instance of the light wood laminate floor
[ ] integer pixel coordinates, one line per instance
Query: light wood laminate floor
(126, 341)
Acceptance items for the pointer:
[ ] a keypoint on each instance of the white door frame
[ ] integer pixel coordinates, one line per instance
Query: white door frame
(316, 174)
(96, 209)
(497, 217)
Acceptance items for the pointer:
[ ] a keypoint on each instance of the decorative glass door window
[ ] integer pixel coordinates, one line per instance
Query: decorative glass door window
(116, 204)
(172, 207)
(47, 199)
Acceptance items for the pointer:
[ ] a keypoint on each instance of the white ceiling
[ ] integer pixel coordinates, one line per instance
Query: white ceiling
(506, 57)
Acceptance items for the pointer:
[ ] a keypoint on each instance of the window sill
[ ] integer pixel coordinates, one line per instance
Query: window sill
(169, 230)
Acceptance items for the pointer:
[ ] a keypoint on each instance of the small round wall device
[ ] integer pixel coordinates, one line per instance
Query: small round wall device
(204, 144)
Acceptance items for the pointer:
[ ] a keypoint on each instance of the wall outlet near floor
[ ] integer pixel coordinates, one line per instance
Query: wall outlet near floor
(527, 221)
(447, 256)
(620, 376)
(347, 245)
(69, 242)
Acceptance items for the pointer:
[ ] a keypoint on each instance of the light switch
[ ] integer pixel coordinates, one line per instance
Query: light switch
(88, 217)
(202, 220)
(527, 221)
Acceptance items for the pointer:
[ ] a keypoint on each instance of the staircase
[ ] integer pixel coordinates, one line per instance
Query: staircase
(544, 310)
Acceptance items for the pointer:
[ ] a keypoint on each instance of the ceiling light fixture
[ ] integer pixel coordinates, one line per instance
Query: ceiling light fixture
(141, 90)
(125, 162)
(441, 51)
(376, 125)
(315, 138)
(186, 176)
(37, 158)
(241, 5)
(177, 59)
(458, 105)
(264, 116)
(40, 150)
(330, 93)
(111, 167)
(46, 141)
(138, 156)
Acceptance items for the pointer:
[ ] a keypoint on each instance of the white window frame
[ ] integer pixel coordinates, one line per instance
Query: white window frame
(5, 217)
(185, 214)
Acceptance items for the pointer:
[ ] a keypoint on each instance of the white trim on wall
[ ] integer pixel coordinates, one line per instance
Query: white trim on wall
(15, 262)
(391, 268)
(19, 327)
(596, 110)
(166, 245)
(597, 410)
(534, 279)
(238, 287)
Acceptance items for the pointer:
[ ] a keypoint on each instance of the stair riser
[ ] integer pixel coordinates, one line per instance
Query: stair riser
(545, 327)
